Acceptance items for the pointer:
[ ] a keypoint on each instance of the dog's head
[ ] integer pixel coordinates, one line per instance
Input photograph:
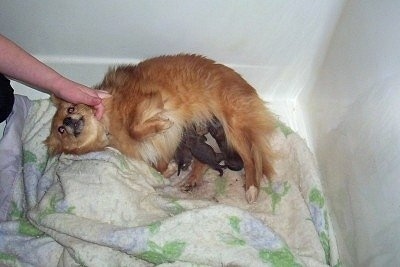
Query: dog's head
(75, 130)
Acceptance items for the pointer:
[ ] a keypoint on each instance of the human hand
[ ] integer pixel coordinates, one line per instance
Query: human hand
(79, 94)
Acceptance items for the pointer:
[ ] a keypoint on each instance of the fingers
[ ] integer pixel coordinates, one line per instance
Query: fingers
(89, 100)
(100, 107)
(94, 97)
(99, 111)
(103, 94)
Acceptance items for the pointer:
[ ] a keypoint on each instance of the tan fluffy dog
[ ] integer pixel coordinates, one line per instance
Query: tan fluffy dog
(151, 104)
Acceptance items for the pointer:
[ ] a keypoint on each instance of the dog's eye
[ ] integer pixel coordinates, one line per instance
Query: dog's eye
(61, 129)
(70, 110)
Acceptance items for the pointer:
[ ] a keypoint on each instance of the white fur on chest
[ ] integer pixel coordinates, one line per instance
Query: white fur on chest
(161, 146)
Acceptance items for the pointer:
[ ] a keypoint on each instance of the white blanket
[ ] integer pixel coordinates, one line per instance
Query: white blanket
(103, 209)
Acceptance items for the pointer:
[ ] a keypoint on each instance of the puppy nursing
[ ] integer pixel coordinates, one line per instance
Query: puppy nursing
(152, 105)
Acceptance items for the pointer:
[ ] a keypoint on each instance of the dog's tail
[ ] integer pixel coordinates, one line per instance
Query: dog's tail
(254, 140)
(268, 157)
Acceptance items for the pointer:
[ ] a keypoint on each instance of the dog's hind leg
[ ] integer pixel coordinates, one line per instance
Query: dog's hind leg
(247, 144)
(245, 150)
(252, 184)
(267, 158)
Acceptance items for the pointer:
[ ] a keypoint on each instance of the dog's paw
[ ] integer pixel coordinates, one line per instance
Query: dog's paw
(171, 170)
(252, 194)
(164, 124)
(150, 128)
(190, 184)
(186, 187)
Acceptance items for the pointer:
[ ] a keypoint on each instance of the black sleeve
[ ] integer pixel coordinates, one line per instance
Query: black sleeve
(6, 97)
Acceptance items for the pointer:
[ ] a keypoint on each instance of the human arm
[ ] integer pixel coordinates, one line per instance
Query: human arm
(18, 64)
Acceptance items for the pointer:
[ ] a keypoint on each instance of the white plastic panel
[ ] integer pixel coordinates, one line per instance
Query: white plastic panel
(354, 124)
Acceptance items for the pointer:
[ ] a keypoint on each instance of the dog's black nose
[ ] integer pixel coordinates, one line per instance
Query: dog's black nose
(73, 126)
(68, 121)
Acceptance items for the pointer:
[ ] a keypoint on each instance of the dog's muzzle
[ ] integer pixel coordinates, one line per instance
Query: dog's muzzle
(74, 126)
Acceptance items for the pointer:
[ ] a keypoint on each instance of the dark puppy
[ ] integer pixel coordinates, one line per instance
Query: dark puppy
(183, 156)
(195, 144)
(231, 158)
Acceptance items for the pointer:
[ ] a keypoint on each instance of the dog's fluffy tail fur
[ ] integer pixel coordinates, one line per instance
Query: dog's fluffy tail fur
(252, 143)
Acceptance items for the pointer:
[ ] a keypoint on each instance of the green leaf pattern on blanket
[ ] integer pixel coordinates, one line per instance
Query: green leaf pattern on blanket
(317, 198)
(319, 216)
(122, 162)
(80, 262)
(234, 222)
(220, 185)
(276, 190)
(285, 129)
(7, 258)
(15, 212)
(157, 254)
(169, 252)
(279, 258)
(55, 205)
(25, 227)
(51, 209)
(29, 157)
(156, 174)
(174, 207)
(154, 227)
(233, 239)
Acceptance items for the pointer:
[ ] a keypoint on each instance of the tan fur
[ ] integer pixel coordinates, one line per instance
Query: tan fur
(153, 101)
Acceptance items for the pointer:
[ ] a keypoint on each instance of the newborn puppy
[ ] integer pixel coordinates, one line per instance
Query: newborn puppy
(202, 151)
(183, 156)
(154, 101)
(194, 145)
(232, 159)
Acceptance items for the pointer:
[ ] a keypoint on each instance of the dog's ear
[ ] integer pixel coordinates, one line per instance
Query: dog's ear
(149, 118)
(55, 100)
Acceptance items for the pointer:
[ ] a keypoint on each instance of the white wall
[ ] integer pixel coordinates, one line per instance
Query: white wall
(353, 115)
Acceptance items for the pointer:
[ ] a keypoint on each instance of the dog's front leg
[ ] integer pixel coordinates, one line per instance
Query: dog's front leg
(155, 125)
(167, 169)
(196, 175)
